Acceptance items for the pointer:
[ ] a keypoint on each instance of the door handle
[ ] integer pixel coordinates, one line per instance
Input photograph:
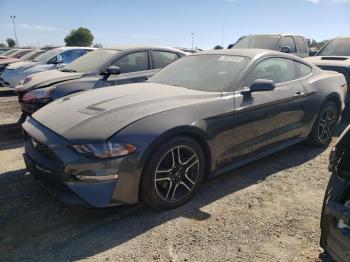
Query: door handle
(299, 94)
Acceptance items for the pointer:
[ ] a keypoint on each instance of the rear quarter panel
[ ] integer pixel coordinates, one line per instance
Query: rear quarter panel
(328, 84)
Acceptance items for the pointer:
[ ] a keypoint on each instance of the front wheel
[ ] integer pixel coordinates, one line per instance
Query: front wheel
(325, 125)
(173, 174)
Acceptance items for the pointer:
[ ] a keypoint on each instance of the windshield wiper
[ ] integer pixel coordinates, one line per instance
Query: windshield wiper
(68, 70)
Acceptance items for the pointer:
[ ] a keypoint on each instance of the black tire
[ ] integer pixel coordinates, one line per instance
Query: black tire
(22, 118)
(161, 188)
(324, 126)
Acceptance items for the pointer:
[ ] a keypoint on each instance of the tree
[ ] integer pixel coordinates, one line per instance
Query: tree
(218, 47)
(10, 42)
(79, 37)
(2, 45)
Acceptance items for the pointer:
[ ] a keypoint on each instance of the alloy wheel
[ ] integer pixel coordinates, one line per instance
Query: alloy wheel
(177, 173)
(327, 124)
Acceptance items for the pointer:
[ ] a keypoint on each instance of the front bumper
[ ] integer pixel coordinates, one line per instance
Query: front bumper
(334, 239)
(50, 159)
(97, 194)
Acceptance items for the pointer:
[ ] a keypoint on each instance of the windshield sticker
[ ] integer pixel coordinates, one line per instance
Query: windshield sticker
(235, 59)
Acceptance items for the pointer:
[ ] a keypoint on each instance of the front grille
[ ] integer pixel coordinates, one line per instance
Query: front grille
(338, 69)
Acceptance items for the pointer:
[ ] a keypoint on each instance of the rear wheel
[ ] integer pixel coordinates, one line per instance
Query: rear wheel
(173, 173)
(325, 124)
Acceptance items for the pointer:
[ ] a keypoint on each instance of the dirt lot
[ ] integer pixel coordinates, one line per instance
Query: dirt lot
(266, 211)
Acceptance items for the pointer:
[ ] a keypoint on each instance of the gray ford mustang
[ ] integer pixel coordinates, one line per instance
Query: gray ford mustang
(199, 117)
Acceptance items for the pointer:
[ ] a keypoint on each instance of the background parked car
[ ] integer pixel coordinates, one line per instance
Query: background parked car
(287, 43)
(18, 54)
(102, 67)
(52, 59)
(335, 218)
(2, 50)
(335, 56)
(199, 117)
(28, 56)
(313, 51)
(5, 54)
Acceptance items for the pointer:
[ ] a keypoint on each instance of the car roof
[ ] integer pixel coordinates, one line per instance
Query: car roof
(342, 37)
(276, 34)
(252, 53)
(248, 52)
(135, 47)
(74, 47)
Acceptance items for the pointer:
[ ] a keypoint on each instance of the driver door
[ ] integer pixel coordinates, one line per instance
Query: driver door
(267, 118)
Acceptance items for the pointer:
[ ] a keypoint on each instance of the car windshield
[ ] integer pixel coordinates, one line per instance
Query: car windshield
(6, 53)
(31, 55)
(91, 61)
(211, 73)
(47, 55)
(337, 47)
(16, 53)
(262, 42)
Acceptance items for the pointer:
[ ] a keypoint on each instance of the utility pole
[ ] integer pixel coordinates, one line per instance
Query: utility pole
(192, 35)
(223, 37)
(14, 28)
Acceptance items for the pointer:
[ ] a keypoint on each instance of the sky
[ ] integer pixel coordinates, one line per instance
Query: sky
(171, 22)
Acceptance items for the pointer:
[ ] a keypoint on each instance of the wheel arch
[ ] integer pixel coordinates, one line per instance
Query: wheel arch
(191, 132)
(335, 98)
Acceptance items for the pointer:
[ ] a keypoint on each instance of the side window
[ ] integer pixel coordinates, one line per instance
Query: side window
(162, 58)
(289, 41)
(301, 44)
(133, 62)
(70, 55)
(277, 69)
(302, 69)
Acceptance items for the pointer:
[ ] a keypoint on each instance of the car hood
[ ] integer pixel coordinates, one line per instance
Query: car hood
(8, 60)
(22, 65)
(46, 78)
(99, 114)
(329, 60)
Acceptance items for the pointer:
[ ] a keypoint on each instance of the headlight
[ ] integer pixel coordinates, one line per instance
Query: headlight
(106, 149)
(42, 94)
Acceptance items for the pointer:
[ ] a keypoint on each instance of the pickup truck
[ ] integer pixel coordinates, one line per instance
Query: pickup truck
(287, 43)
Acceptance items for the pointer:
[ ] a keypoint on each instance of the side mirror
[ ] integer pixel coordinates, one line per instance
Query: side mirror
(286, 49)
(259, 85)
(112, 70)
(58, 60)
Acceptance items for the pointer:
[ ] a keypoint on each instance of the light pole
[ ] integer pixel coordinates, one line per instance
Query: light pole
(14, 28)
(192, 35)
(223, 37)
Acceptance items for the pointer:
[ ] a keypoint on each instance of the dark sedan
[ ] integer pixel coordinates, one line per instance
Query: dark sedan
(100, 68)
(199, 117)
(335, 219)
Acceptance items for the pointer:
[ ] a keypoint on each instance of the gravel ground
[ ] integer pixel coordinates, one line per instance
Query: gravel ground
(268, 210)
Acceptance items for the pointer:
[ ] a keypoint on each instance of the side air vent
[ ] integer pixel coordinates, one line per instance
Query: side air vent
(339, 58)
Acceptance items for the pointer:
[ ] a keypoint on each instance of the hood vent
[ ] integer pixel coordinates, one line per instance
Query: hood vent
(334, 58)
